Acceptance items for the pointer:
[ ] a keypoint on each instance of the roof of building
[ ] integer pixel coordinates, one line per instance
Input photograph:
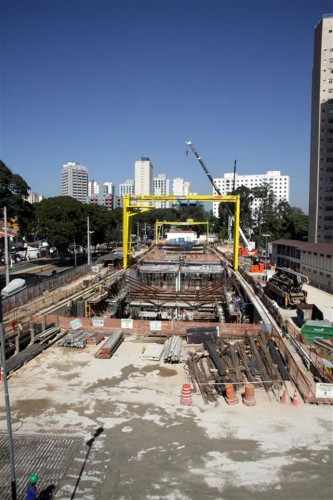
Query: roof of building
(307, 246)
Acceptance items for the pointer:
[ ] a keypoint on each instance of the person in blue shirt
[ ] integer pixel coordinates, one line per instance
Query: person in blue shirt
(32, 490)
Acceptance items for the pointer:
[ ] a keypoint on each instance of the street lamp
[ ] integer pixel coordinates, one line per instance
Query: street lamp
(88, 241)
(5, 224)
(7, 400)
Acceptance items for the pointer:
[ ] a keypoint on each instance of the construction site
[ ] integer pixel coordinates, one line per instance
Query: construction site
(177, 376)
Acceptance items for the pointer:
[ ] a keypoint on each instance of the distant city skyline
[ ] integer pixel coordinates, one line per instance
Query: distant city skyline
(240, 93)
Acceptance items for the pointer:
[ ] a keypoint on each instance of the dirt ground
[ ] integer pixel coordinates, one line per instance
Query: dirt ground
(154, 448)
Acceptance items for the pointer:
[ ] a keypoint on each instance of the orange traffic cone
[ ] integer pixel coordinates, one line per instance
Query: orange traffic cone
(284, 399)
(186, 395)
(248, 396)
(230, 395)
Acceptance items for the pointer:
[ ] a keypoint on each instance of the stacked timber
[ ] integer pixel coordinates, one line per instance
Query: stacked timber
(110, 346)
(252, 360)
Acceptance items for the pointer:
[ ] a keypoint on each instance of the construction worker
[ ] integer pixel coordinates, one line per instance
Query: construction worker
(32, 491)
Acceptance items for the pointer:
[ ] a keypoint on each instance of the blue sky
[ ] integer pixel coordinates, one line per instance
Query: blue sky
(105, 82)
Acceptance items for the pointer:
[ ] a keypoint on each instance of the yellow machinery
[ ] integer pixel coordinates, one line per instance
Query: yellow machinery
(189, 222)
(134, 204)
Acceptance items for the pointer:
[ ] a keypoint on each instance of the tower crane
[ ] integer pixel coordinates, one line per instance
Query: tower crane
(205, 169)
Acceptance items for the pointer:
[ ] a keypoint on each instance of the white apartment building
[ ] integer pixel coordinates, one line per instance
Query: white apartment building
(280, 185)
(74, 181)
(108, 188)
(321, 155)
(143, 169)
(101, 193)
(34, 197)
(93, 188)
(180, 187)
(126, 187)
(161, 186)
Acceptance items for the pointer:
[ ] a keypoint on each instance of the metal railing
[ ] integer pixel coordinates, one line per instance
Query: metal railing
(47, 285)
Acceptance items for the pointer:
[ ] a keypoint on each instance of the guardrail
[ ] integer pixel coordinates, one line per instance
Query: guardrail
(31, 292)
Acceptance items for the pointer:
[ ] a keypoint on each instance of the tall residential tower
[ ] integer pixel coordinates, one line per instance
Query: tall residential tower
(74, 181)
(161, 186)
(321, 156)
(143, 176)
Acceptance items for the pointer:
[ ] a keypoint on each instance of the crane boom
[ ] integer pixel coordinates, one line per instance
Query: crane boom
(205, 169)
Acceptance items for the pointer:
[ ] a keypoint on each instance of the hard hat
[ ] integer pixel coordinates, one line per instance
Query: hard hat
(33, 478)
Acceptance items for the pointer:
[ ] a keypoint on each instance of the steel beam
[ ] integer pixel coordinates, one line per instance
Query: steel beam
(133, 204)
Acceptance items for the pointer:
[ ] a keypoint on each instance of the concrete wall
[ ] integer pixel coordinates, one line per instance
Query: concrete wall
(168, 327)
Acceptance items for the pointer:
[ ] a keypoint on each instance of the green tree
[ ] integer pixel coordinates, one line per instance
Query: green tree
(265, 215)
(225, 209)
(292, 222)
(13, 193)
(61, 221)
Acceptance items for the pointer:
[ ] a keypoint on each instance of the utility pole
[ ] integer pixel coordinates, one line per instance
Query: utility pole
(234, 180)
(7, 405)
(6, 244)
(75, 262)
(88, 241)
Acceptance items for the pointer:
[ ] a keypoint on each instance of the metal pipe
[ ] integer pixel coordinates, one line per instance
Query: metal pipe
(6, 244)
(7, 405)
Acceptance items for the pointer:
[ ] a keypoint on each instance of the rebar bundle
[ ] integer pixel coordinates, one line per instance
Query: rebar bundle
(76, 340)
(110, 346)
(172, 352)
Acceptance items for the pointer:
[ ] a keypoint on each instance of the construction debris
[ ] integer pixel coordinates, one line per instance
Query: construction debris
(110, 346)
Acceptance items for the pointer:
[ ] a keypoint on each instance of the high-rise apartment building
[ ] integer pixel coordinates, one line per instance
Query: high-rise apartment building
(279, 184)
(143, 176)
(101, 193)
(180, 187)
(74, 181)
(93, 188)
(161, 186)
(126, 187)
(108, 188)
(321, 155)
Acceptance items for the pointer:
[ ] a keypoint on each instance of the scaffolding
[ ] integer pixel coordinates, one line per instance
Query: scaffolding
(159, 224)
(135, 204)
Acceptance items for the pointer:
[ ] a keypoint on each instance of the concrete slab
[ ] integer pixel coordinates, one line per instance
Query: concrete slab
(323, 300)
(154, 448)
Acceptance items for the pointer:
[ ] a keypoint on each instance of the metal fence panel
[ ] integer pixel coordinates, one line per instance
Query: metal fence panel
(49, 284)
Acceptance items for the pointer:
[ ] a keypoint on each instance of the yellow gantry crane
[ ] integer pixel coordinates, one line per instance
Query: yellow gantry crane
(134, 204)
(189, 222)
